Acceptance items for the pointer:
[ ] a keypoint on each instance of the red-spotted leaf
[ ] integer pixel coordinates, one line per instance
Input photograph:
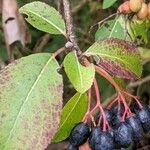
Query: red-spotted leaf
(30, 102)
(118, 57)
(71, 115)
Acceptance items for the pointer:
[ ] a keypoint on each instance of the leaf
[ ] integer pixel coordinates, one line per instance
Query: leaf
(81, 77)
(118, 57)
(113, 28)
(30, 102)
(108, 3)
(139, 30)
(71, 115)
(44, 17)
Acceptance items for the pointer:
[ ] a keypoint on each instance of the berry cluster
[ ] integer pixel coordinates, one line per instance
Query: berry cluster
(139, 7)
(119, 134)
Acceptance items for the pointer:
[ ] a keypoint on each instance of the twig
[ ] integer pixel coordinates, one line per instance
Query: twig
(69, 25)
(138, 83)
(79, 7)
(41, 43)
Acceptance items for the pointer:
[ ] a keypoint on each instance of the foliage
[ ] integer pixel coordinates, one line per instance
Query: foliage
(32, 88)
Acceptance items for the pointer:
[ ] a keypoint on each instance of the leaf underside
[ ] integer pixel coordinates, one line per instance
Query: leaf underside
(44, 17)
(118, 57)
(71, 115)
(81, 77)
(30, 102)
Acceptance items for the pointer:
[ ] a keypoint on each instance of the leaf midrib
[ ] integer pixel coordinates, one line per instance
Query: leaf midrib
(22, 106)
(80, 74)
(104, 55)
(69, 113)
(49, 21)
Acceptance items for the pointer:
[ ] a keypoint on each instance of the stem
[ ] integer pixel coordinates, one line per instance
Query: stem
(135, 98)
(69, 25)
(85, 118)
(98, 104)
(103, 73)
(59, 51)
(98, 101)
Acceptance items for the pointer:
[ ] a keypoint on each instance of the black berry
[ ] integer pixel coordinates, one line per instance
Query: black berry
(106, 142)
(116, 115)
(71, 147)
(123, 135)
(100, 140)
(144, 117)
(94, 137)
(79, 134)
(109, 115)
(137, 130)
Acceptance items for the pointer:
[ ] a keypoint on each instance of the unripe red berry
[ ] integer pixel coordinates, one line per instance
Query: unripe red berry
(148, 16)
(143, 11)
(124, 8)
(135, 5)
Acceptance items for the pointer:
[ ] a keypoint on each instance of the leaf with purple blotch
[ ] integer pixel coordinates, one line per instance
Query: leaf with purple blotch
(118, 57)
(31, 92)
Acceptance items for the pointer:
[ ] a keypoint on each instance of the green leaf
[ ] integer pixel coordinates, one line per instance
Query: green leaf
(138, 29)
(108, 3)
(30, 102)
(113, 28)
(119, 57)
(81, 77)
(44, 17)
(71, 115)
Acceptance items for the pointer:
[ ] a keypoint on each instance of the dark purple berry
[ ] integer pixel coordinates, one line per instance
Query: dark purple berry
(71, 147)
(106, 142)
(117, 115)
(79, 134)
(137, 130)
(144, 117)
(116, 120)
(108, 114)
(94, 137)
(123, 135)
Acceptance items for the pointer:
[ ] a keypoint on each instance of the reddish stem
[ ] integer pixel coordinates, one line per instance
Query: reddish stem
(135, 98)
(98, 103)
(121, 97)
(85, 118)
(103, 73)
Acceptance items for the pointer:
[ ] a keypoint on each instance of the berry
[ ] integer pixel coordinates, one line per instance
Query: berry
(94, 137)
(124, 8)
(109, 115)
(123, 135)
(100, 140)
(137, 130)
(106, 142)
(71, 147)
(117, 115)
(143, 11)
(79, 134)
(144, 117)
(148, 11)
(135, 5)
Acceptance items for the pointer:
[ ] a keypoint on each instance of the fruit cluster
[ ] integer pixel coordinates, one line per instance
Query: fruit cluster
(139, 7)
(120, 134)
